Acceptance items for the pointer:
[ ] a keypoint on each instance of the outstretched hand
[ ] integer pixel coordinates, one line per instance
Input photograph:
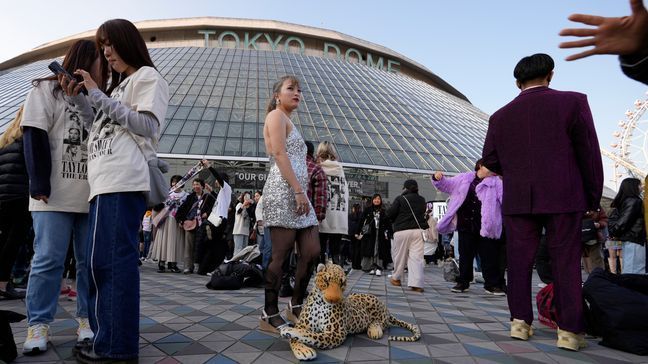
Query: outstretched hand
(613, 35)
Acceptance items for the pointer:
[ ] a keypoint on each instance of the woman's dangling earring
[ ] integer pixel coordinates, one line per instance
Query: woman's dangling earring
(278, 102)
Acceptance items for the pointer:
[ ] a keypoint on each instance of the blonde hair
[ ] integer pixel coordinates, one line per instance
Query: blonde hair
(14, 131)
(276, 88)
(326, 151)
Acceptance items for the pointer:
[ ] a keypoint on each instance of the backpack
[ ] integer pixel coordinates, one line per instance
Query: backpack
(546, 306)
(8, 351)
(615, 310)
(450, 270)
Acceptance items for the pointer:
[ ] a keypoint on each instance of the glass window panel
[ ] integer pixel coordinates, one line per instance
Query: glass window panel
(220, 128)
(261, 152)
(182, 112)
(198, 146)
(196, 113)
(189, 127)
(189, 100)
(227, 102)
(223, 114)
(233, 147)
(235, 130)
(210, 113)
(249, 148)
(346, 155)
(181, 145)
(251, 115)
(174, 127)
(166, 142)
(205, 128)
(250, 130)
(215, 146)
(391, 158)
(361, 155)
(237, 115)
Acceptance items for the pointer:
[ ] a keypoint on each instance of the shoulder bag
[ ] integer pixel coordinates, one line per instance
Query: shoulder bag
(424, 233)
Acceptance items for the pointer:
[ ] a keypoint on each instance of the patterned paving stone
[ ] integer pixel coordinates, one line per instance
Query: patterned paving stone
(183, 322)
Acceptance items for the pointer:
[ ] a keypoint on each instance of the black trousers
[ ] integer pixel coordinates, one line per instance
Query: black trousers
(15, 221)
(333, 241)
(356, 253)
(543, 261)
(471, 244)
(211, 252)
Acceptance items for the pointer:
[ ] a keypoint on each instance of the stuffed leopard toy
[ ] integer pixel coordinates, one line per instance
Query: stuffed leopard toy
(327, 317)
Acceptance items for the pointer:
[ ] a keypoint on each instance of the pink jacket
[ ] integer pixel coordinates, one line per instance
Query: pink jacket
(489, 192)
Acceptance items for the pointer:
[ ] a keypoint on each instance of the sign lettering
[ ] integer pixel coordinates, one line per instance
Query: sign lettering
(292, 43)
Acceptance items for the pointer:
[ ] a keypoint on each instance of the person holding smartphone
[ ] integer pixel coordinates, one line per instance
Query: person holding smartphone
(59, 197)
(123, 136)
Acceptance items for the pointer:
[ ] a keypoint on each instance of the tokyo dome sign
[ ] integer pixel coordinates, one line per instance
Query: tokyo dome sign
(283, 42)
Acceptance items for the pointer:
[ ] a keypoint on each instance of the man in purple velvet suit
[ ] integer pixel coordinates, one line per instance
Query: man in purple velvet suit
(544, 145)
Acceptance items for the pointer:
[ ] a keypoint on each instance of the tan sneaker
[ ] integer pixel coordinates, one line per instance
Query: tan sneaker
(37, 338)
(84, 332)
(570, 341)
(521, 330)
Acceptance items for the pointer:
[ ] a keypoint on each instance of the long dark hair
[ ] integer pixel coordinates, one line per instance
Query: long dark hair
(276, 88)
(82, 54)
(630, 187)
(127, 41)
(379, 207)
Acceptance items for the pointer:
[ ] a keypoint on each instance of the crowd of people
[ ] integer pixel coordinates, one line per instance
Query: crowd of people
(73, 168)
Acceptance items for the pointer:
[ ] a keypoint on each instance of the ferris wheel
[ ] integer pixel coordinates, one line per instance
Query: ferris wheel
(629, 152)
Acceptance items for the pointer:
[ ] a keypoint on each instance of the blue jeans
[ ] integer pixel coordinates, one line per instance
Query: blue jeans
(240, 242)
(147, 244)
(634, 258)
(53, 231)
(265, 246)
(114, 287)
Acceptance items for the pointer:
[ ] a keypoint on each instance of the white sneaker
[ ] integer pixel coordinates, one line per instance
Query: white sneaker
(372, 272)
(37, 338)
(378, 272)
(542, 285)
(84, 332)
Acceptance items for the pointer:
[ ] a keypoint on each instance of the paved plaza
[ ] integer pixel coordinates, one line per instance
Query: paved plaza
(184, 322)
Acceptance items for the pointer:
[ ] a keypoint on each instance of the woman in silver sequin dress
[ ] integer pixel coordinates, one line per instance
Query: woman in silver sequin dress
(286, 208)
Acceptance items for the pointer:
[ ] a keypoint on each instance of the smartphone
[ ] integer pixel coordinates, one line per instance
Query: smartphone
(57, 69)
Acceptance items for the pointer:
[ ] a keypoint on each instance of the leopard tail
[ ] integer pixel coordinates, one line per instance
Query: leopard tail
(416, 333)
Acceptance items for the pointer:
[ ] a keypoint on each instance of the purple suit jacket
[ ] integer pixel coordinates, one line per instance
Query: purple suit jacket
(544, 145)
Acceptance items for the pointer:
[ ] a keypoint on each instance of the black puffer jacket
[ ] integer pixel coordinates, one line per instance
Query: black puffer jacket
(627, 222)
(14, 182)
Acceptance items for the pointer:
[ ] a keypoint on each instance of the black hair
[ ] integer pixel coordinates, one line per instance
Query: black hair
(479, 164)
(630, 187)
(310, 149)
(381, 201)
(533, 67)
(260, 192)
(175, 178)
(127, 41)
(201, 181)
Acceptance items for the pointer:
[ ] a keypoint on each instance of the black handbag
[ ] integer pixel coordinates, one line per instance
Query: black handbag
(366, 228)
(588, 231)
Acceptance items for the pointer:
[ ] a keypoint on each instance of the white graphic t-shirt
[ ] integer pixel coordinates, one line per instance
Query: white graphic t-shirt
(68, 148)
(115, 161)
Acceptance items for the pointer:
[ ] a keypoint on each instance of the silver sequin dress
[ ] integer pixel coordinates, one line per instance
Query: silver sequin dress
(279, 203)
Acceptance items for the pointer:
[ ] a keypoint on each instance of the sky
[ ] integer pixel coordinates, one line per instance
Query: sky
(472, 44)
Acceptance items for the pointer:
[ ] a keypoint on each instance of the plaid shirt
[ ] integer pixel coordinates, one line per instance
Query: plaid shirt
(317, 188)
